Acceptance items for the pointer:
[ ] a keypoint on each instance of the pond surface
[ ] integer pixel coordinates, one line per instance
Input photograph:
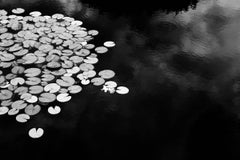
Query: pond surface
(183, 72)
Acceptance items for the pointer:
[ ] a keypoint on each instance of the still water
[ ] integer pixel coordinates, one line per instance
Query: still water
(183, 72)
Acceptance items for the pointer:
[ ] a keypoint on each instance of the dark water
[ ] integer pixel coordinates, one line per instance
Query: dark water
(182, 66)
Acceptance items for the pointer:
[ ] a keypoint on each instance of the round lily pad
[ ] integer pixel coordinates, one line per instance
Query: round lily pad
(98, 81)
(75, 89)
(65, 81)
(54, 110)
(5, 94)
(19, 104)
(35, 133)
(63, 97)
(22, 118)
(106, 74)
(52, 88)
(86, 67)
(32, 109)
(109, 44)
(32, 72)
(101, 49)
(122, 90)
(3, 110)
(13, 111)
(47, 97)
(18, 11)
(17, 81)
(36, 89)
(32, 81)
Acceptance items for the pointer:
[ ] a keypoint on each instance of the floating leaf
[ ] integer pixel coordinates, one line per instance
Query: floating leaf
(13, 111)
(32, 81)
(101, 49)
(17, 80)
(110, 84)
(47, 97)
(35, 13)
(109, 44)
(19, 104)
(52, 88)
(54, 110)
(33, 99)
(35, 133)
(86, 67)
(22, 118)
(32, 109)
(65, 81)
(122, 90)
(21, 90)
(98, 81)
(75, 89)
(63, 97)
(32, 72)
(35, 89)
(91, 60)
(106, 74)
(5, 94)
(3, 110)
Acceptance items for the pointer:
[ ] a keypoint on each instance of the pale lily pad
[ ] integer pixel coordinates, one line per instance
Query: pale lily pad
(21, 90)
(122, 90)
(52, 88)
(10, 76)
(91, 60)
(6, 103)
(89, 74)
(26, 96)
(5, 94)
(32, 109)
(35, 89)
(63, 90)
(13, 111)
(106, 74)
(47, 97)
(65, 81)
(101, 49)
(54, 110)
(17, 81)
(32, 81)
(6, 56)
(32, 72)
(77, 23)
(109, 44)
(73, 70)
(29, 58)
(86, 67)
(93, 32)
(22, 118)
(98, 81)
(47, 77)
(59, 72)
(19, 104)
(89, 46)
(35, 13)
(67, 64)
(63, 97)
(110, 84)
(76, 59)
(83, 52)
(85, 81)
(33, 99)
(36, 133)
(3, 110)
(75, 89)
(18, 70)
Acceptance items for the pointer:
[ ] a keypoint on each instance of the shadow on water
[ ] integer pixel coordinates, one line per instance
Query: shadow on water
(182, 68)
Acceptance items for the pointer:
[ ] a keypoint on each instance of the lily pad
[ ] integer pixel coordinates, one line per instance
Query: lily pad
(91, 60)
(98, 81)
(21, 90)
(36, 133)
(47, 97)
(17, 81)
(13, 111)
(18, 70)
(32, 72)
(75, 89)
(35, 89)
(65, 81)
(109, 44)
(54, 110)
(63, 97)
(101, 49)
(22, 118)
(106, 74)
(3, 110)
(86, 67)
(122, 90)
(32, 81)
(5, 94)
(32, 109)
(52, 88)
(19, 104)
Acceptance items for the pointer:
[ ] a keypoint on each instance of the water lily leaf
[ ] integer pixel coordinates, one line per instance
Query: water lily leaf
(35, 89)
(6, 103)
(35, 133)
(93, 32)
(18, 11)
(109, 44)
(19, 104)
(22, 52)
(65, 81)
(76, 59)
(106, 74)
(17, 81)
(3, 110)
(101, 49)
(86, 67)
(52, 88)
(91, 60)
(5, 64)
(26, 96)
(32, 72)
(54, 110)
(33, 99)
(75, 89)
(89, 74)
(47, 77)
(13, 111)
(73, 70)
(85, 81)
(32, 81)
(29, 58)
(47, 97)
(6, 57)
(2, 79)
(63, 97)
(63, 90)
(17, 70)
(22, 118)
(21, 90)
(110, 84)
(77, 23)
(67, 64)
(122, 90)
(35, 13)
(32, 109)
(5, 94)
(45, 48)
(10, 76)
(98, 81)
(83, 52)
(59, 72)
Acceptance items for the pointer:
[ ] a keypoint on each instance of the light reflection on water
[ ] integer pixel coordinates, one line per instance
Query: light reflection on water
(182, 70)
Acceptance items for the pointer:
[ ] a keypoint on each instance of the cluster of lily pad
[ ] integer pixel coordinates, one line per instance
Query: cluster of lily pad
(44, 59)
